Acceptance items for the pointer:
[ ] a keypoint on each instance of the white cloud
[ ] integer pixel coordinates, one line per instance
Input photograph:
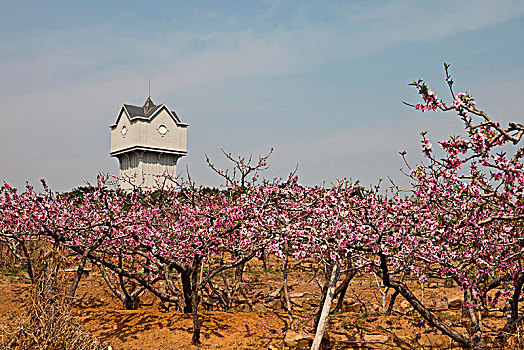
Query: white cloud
(415, 20)
(188, 58)
(57, 104)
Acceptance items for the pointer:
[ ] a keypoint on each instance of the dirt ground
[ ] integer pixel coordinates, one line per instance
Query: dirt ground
(258, 319)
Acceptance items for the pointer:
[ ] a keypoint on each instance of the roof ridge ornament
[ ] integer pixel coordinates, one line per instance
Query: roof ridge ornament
(148, 105)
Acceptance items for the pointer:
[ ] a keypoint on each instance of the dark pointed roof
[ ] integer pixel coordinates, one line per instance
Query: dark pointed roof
(147, 111)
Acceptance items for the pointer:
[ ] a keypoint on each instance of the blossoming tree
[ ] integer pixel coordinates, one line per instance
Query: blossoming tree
(472, 207)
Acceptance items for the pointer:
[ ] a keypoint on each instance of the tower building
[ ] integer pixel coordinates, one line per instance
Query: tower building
(147, 141)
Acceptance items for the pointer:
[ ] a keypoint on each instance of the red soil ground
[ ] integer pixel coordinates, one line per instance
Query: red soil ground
(360, 325)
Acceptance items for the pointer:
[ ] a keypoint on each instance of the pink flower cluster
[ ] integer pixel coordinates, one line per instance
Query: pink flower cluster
(463, 100)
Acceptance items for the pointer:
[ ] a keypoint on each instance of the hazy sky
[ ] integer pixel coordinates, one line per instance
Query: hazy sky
(320, 82)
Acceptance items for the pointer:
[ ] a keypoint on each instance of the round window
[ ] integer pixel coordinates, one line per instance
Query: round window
(162, 129)
(124, 130)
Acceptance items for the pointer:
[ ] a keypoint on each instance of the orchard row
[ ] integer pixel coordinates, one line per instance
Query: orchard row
(461, 220)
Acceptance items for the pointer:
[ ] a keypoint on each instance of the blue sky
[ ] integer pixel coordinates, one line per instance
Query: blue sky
(320, 82)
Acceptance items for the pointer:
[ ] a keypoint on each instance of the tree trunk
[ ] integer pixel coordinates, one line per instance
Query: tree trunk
(239, 273)
(129, 303)
(79, 274)
(286, 291)
(173, 289)
(185, 278)
(229, 299)
(426, 314)
(318, 312)
(194, 298)
(265, 259)
(403, 290)
(342, 289)
(326, 308)
(392, 302)
(514, 302)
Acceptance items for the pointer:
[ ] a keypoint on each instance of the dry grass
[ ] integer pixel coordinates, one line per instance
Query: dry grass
(46, 321)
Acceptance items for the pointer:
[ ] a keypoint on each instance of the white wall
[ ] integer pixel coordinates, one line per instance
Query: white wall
(145, 133)
(146, 168)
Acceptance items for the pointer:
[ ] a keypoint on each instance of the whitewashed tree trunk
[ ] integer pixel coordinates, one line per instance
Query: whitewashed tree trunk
(326, 308)
(384, 294)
